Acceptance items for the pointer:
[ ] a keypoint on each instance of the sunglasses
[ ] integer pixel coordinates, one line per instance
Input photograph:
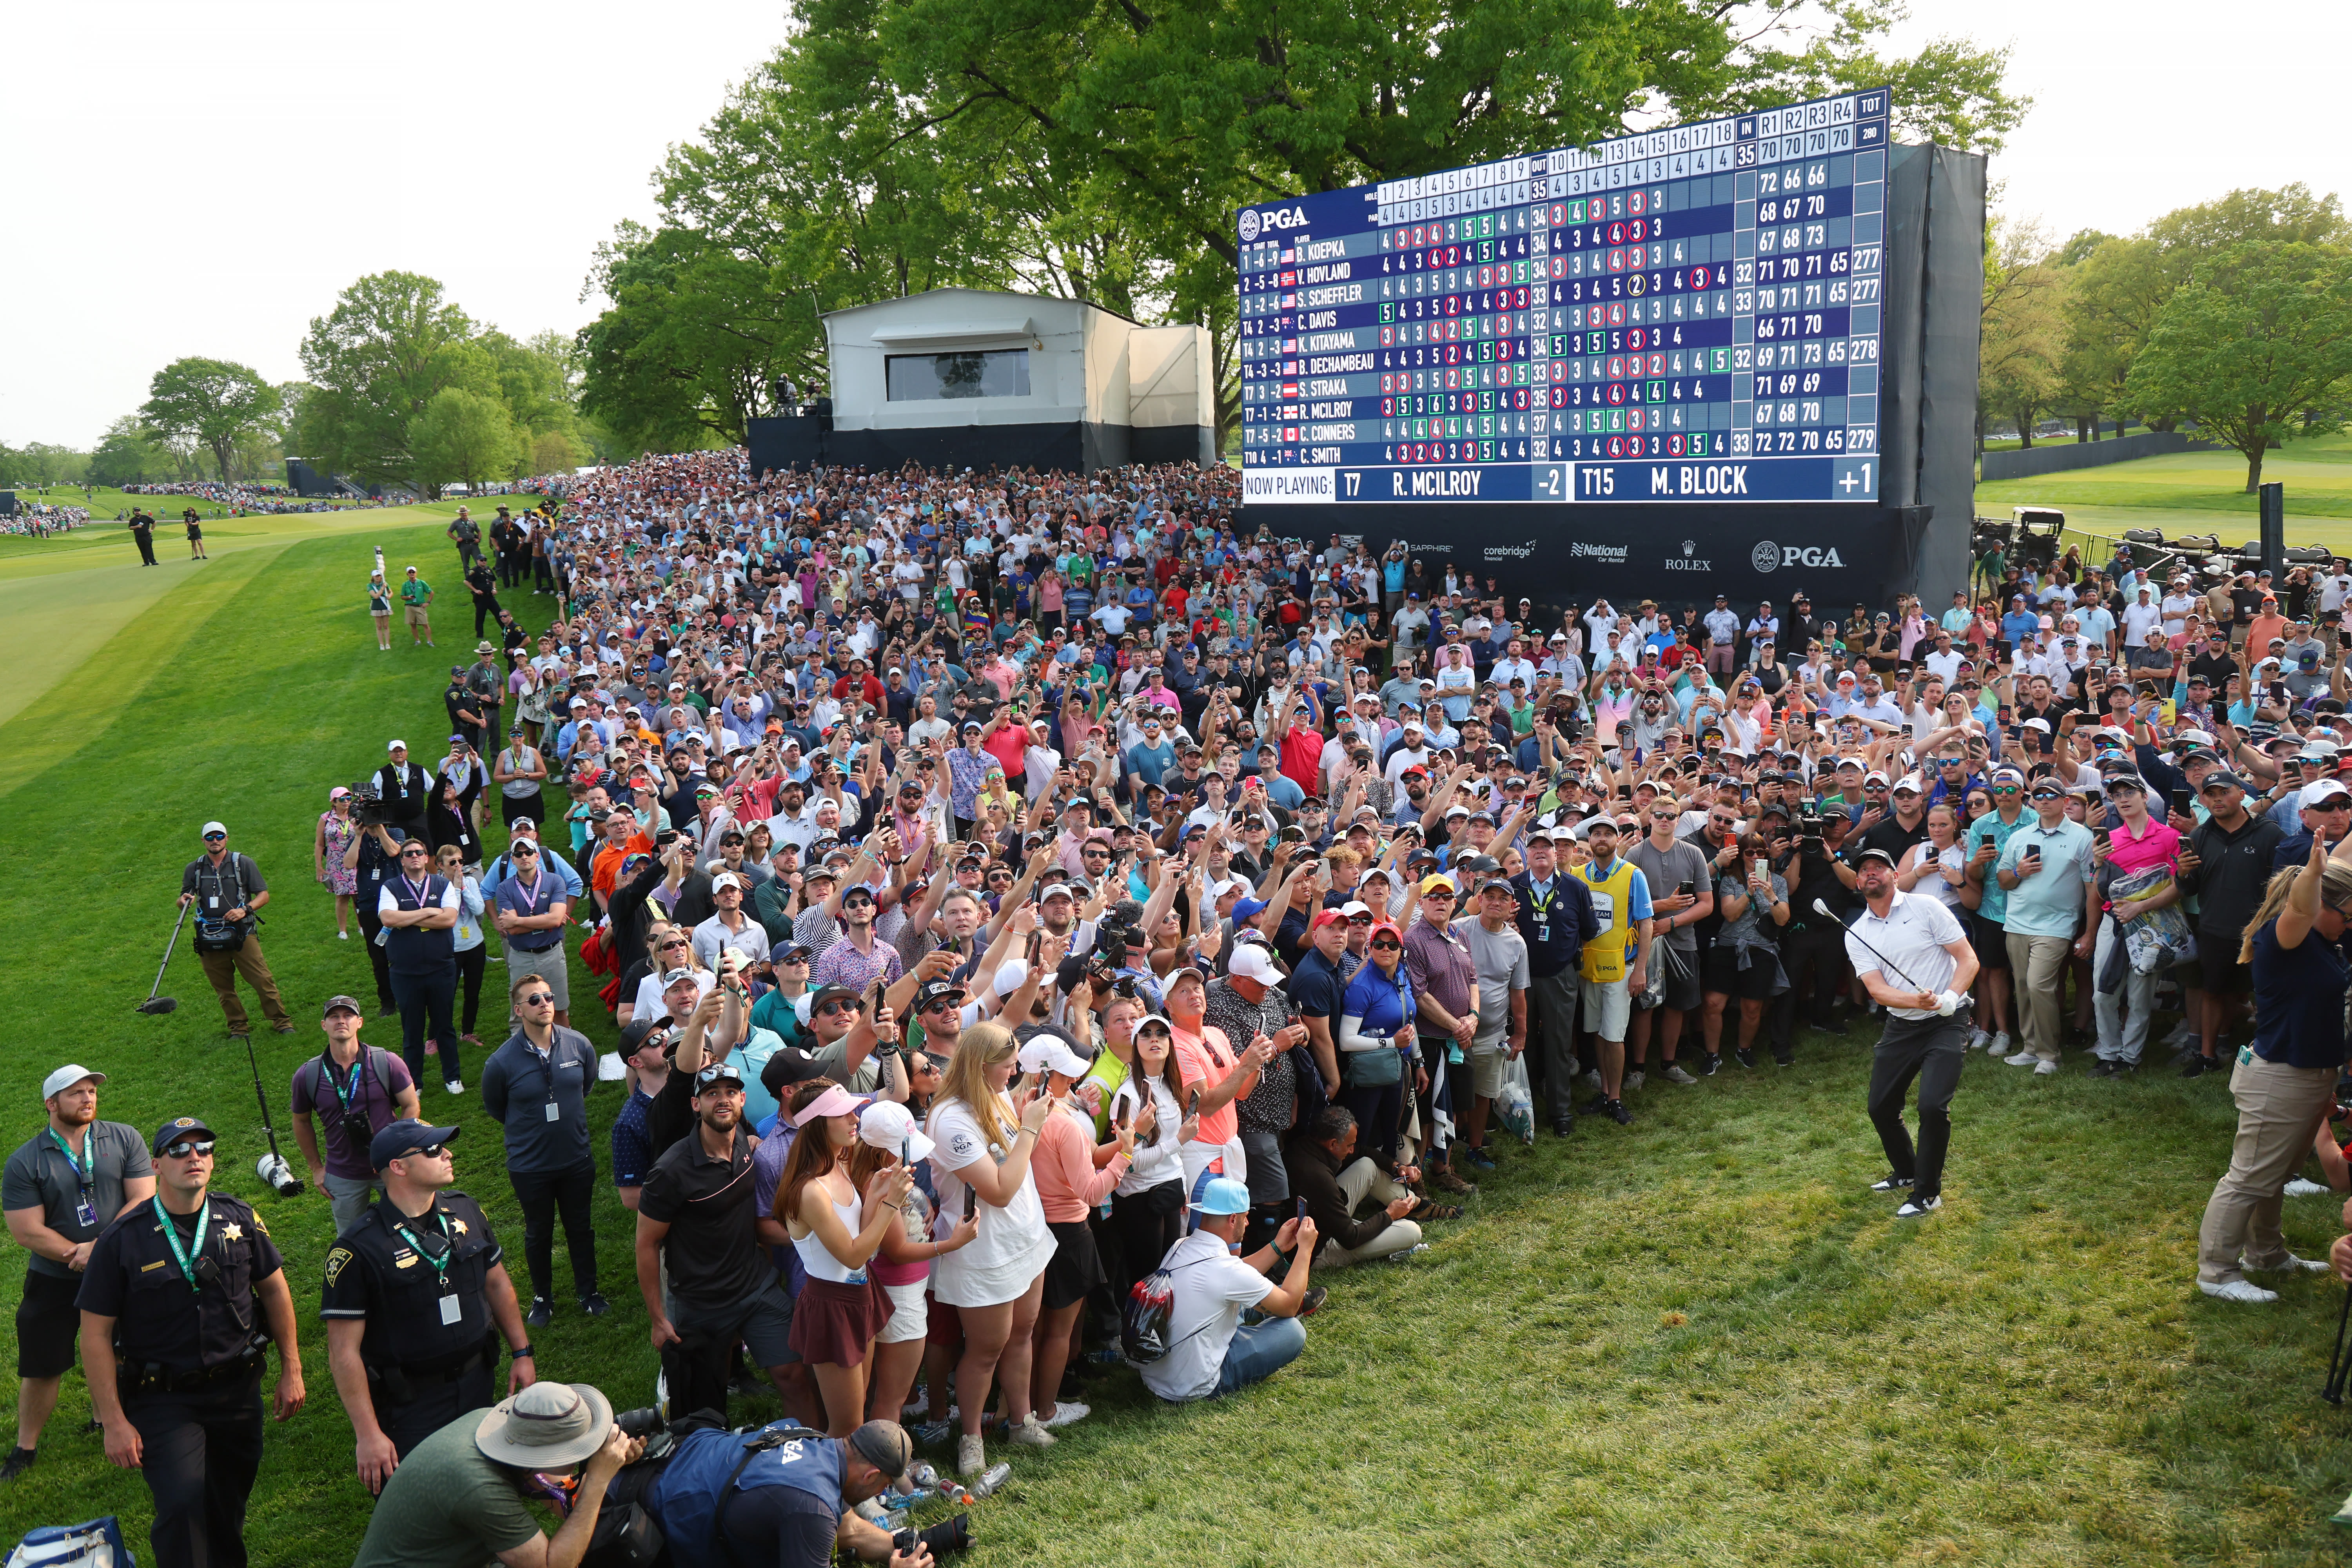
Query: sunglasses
(672, 942)
(187, 1146)
(214, 837)
(1360, 920)
(430, 1150)
(1388, 947)
(1438, 897)
(537, 997)
(520, 850)
(801, 957)
(415, 855)
(839, 1006)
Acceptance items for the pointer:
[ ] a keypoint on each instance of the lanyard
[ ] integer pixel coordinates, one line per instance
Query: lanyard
(530, 891)
(171, 1234)
(344, 1095)
(414, 892)
(85, 1164)
(450, 1248)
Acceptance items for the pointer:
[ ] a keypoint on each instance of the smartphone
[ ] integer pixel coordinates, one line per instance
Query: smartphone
(1687, 888)
(1302, 1208)
(1192, 1103)
(1124, 1116)
(2181, 802)
(970, 1200)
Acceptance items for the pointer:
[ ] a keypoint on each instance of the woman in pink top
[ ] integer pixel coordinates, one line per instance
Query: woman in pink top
(1073, 1175)
(1214, 1074)
(2141, 843)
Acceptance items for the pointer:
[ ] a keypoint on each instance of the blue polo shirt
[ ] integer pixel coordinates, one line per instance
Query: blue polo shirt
(2049, 903)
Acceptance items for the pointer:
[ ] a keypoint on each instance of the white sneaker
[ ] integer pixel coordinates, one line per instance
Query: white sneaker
(1978, 1041)
(343, 936)
(453, 1086)
(2001, 1042)
(1030, 1433)
(1914, 1207)
(2307, 1265)
(1675, 1073)
(2044, 1070)
(1592, 1079)
(2021, 1059)
(1066, 1411)
(2244, 1290)
(2299, 1188)
(971, 1458)
(1633, 1080)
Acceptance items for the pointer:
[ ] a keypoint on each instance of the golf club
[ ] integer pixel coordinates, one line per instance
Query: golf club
(2337, 1367)
(155, 1004)
(1822, 907)
(271, 1167)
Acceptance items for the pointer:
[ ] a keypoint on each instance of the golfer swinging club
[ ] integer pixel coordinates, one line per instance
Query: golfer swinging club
(1914, 959)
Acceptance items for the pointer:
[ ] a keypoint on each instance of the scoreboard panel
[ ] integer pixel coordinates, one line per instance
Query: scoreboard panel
(1686, 315)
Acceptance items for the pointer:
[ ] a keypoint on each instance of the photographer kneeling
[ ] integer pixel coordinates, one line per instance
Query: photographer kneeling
(786, 1496)
(1334, 1182)
(1210, 1352)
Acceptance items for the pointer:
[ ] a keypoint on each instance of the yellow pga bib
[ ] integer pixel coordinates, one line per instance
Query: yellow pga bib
(1605, 955)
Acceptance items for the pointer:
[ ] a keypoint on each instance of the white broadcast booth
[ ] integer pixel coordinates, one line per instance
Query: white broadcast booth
(957, 377)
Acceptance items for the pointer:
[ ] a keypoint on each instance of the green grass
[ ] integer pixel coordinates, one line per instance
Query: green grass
(1697, 1341)
(2196, 493)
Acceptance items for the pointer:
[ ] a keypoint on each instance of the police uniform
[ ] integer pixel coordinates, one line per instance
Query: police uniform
(431, 1347)
(190, 1351)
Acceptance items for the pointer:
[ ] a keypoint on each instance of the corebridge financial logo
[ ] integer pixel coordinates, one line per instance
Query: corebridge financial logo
(1510, 551)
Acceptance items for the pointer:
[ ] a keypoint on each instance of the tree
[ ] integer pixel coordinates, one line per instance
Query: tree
(552, 452)
(389, 346)
(129, 455)
(2259, 344)
(2022, 335)
(210, 403)
(462, 435)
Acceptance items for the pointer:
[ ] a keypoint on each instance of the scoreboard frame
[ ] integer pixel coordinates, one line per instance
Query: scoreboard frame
(1585, 325)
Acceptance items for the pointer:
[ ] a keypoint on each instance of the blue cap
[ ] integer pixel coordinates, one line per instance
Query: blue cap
(1246, 908)
(1223, 1195)
(399, 1137)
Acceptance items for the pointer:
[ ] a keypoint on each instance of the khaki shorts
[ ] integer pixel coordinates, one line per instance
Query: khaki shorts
(1607, 1006)
(415, 615)
(1487, 1064)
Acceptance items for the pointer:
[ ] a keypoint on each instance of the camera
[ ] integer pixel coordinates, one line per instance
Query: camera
(367, 803)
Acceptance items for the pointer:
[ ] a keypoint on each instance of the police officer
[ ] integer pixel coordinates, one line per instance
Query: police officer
(64, 1187)
(416, 1300)
(179, 1301)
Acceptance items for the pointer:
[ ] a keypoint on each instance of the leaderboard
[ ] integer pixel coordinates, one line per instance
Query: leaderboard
(1688, 314)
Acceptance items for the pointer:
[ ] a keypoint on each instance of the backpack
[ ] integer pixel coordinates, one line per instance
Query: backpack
(1143, 1320)
(376, 1057)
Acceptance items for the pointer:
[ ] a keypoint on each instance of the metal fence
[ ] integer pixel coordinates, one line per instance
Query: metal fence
(2065, 455)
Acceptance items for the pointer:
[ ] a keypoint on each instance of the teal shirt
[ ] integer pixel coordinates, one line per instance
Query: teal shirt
(2049, 903)
(1994, 906)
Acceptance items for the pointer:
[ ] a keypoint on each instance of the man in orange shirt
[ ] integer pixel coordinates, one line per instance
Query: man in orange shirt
(618, 837)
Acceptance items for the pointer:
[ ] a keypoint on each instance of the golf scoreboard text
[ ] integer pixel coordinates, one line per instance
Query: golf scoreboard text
(1689, 314)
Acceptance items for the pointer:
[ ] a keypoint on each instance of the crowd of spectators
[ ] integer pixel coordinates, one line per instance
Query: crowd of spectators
(44, 520)
(1026, 898)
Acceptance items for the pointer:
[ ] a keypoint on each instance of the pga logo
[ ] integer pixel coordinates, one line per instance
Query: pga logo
(1770, 557)
(1253, 222)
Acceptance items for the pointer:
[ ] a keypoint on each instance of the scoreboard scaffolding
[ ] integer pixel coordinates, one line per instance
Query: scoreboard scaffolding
(1686, 315)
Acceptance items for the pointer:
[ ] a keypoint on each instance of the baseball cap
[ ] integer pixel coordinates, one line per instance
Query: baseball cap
(2315, 794)
(180, 1127)
(66, 1077)
(1883, 857)
(717, 1073)
(675, 975)
(1223, 1195)
(887, 1125)
(210, 828)
(1049, 1050)
(1437, 880)
(347, 1003)
(396, 1140)
(1250, 962)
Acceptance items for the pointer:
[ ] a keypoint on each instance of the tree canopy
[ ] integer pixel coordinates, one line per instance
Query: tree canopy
(213, 404)
(1098, 149)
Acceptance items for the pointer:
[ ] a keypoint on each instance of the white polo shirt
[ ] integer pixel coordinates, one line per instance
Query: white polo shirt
(1912, 936)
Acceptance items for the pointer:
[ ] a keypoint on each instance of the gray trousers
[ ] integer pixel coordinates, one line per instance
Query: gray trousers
(2124, 1012)
(351, 1196)
(1552, 1018)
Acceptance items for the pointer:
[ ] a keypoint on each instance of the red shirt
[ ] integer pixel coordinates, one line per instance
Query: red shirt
(1302, 757)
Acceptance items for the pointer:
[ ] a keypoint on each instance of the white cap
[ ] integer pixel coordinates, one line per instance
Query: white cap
(211, 828)
(1355, 907)
(1010, 976)
(1051, 1053)
(726, 879)
(2313, 794)
(396, 745)
(1252, 961)
(66, 1077)
(887, 1125)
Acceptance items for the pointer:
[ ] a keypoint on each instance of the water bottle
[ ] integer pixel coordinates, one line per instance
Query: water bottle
(992, 1478)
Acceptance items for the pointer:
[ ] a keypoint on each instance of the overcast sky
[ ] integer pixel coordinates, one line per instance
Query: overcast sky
(203, 177)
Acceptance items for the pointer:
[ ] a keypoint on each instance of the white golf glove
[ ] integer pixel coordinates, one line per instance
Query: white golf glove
(1948, 1002)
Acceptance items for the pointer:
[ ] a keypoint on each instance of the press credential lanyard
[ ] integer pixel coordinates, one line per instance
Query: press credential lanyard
(85, 1166)
(172, 1236)
(452, 1308)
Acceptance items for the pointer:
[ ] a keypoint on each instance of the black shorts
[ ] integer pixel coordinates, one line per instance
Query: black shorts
(2218, 967)
(1989, 941)
(1723, 977)
(47, 1324)
(1678, 986)
(1075, 1267)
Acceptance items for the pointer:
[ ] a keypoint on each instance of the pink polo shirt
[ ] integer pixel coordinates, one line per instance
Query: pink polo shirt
(2159, 845)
